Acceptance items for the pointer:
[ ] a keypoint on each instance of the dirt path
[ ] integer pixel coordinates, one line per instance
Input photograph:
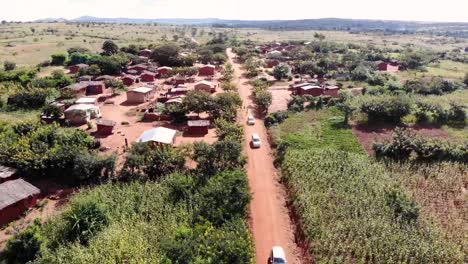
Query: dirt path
(271, 225)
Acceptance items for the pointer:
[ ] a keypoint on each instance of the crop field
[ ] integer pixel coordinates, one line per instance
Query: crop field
(340, 194)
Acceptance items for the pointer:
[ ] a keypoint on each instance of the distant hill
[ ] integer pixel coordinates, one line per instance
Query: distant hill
(304, 24)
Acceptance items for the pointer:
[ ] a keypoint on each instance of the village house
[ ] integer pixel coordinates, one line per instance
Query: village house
(313, 90)
(140, 95)
(207, 70)
(198, 127)
(105, 127)
(145, 53)
(175, 100)
(164, 71)
(180, 79)
(388, 66)
(205, 86)
(147, 76)
(158, 136)
(139, 68)
(87, 100)
(16, 196)
(95, 87)
(79, 89)
(7, 174)
(80, 114)
(272, 63)
(331, 90)
(104, 78)
(77, 67)
(129, 80)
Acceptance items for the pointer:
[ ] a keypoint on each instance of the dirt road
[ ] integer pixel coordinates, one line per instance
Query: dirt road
(271, 225)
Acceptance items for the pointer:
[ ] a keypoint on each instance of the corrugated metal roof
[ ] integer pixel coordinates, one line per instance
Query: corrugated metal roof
(82, 107)
(160, 134)
(6, 172)
(86, 100)
(142, 90)
(309, 87)
(204, 82)
(198, 123)
(15, 191)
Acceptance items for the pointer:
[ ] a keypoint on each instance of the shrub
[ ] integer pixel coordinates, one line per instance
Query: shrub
(386, 108)
(52, 111)
(9, 65)
(263, 99)
(84, 220)
(58, 59)
(275, 118)
(28, 99)
(25, 246)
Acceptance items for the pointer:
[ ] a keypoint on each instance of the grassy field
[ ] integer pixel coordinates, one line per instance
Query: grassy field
(445, 69)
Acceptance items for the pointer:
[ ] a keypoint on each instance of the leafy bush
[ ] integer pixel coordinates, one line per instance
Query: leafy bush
(226, 130)
(263, 99)
(9, 65)
(58, 59)
(275, 118)
(29, 99)
(24, 246)
(222, 155)
(406, 145)
(386, 108)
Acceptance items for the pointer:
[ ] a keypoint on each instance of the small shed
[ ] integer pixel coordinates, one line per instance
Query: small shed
(16, 196)
(205, 86)
(77, 67)
(139, 68)
(129, 80)
(178, 91)
(77, 88)
(87, 100)
(140, 95)
(198, 127)
(207, 70)
(331, 90)
(164, 71)
(147, 76)
(7, 174)
(95, 87)
(158, 136)
(145, 53)
(105, 127)
(80, 114)
(313, 90)
(388, 66)
(180, 79)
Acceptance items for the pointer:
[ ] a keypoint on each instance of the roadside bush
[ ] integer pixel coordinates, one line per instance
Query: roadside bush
(405, 145)
(24, 246)
(275, 118)
(385, 108)
(58, 59)
(263, 99)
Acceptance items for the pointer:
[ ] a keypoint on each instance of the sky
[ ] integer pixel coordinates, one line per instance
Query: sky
(411, 10)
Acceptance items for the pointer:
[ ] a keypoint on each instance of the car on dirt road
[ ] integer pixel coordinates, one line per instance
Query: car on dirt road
(250, 120)
(277, 256)
(256, 142)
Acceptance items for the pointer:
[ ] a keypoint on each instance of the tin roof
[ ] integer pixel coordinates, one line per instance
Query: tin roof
(160, 134)
(14, 191)
(143, 90)
(198, 123)
(6, 172)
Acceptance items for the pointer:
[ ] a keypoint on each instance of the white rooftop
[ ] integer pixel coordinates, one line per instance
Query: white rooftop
(81, 107)
(204, 82)
(86, 100)
(142, 90)
(309, 87)
(160, 134)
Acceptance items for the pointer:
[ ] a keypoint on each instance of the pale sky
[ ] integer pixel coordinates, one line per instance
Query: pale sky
(413, 10)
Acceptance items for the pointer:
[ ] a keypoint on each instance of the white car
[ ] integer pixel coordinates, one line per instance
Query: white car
(250, 120)
(256, 143)
(277, 256)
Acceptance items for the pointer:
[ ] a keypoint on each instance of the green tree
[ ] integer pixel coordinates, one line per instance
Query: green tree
(222, 155)
(226, 130)
(9, 65)
(58, 59)
(109, 48)
(281, 72)
(163, 161)
(263, 99)
(167, 54)
(52, 111)
(197, 102)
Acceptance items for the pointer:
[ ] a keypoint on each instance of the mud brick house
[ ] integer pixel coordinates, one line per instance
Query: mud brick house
(95, 87)
(207, 70)
(129, 80)
(105, 127)
(388, 66)
(205, 86)
(198, 127)
(164, 71)
(140, 95)
(147, 76)
(272, 63)
(77, 67)
(313, 90)
(331, 90)
(16, 196)
(139, 68)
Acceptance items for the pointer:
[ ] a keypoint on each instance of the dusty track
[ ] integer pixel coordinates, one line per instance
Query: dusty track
(270, 222)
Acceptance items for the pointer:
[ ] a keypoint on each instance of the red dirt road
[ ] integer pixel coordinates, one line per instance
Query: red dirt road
(270, 222)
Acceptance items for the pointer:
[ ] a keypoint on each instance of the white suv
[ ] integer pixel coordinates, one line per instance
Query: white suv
(250, 120)
(256, 143)
(277, 256)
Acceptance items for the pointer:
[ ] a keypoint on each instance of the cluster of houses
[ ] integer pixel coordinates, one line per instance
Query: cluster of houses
(314, 88)
(276, 48)
(16, 195)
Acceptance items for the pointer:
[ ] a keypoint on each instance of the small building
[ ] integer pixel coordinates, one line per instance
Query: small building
(205, 86)
(105, 127)
(158, 136)
(147, 76)
(84, 78)
(207, 70)
(140, 95)
(77, 67)
(180, 79)
(145, 53)
(95, 87)
(331, 90)
(313, 90)
(388, 66)
(87, 100)
(104, 78)
(272, 63)
(129, 80)
(133, 72)
(164, 71)
(16, 196)
(178, 91)
(77, 88)
(80, 114)
(198, 127)
(7, 174)
(139, 68)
